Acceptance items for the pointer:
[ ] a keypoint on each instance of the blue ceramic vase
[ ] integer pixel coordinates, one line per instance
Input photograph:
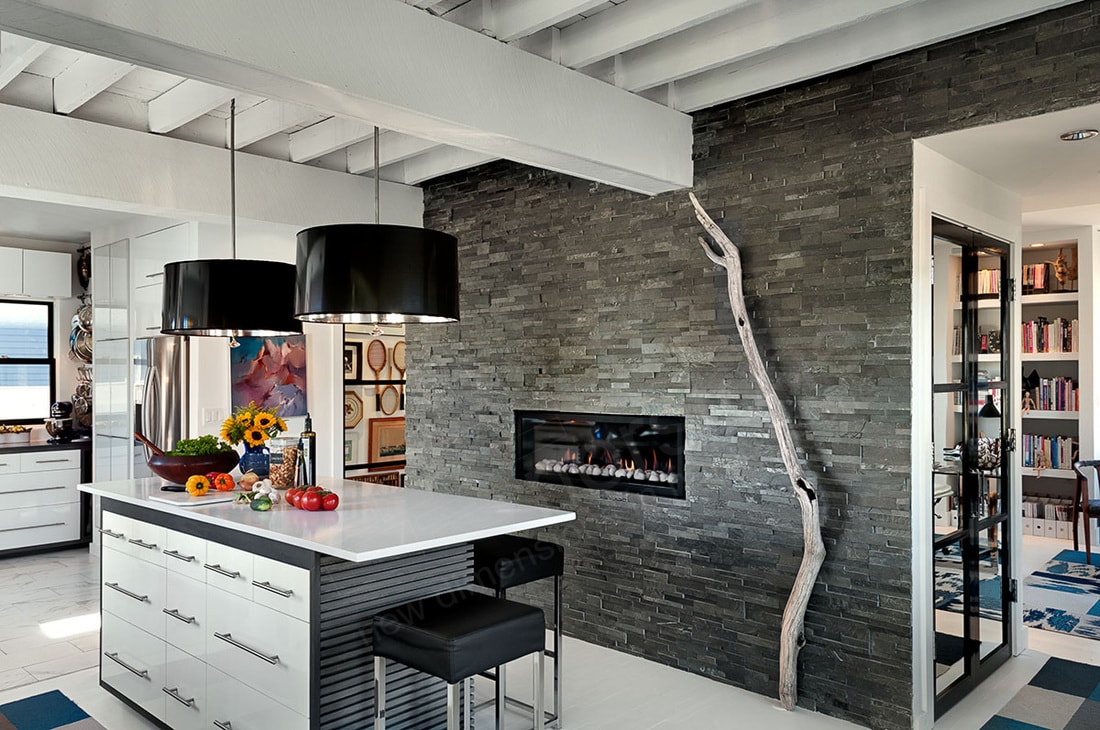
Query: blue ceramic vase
(257, 460)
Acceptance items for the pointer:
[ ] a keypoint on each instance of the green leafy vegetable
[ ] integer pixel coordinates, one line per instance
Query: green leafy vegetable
(202, 446)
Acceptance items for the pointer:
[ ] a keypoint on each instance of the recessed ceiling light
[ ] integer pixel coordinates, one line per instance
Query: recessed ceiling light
(1077, 135)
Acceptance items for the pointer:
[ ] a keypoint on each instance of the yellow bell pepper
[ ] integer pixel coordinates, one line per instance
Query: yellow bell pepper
(197, 485)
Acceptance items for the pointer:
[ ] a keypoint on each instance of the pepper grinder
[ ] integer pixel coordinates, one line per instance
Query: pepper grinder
(308, 450)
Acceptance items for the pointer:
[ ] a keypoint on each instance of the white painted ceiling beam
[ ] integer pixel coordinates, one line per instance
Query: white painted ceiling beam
(265, 119)
(433, 164)
(635, 23)
(16, 53)
(880, 37)
(88, 76)
(428, 78)
(513, 19)
(328, 136)
(76, 162)
(183, 103)
(422, 3)
(754, 29)
(392, 147)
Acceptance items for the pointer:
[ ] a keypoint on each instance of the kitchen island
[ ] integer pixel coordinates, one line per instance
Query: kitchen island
(216, 615)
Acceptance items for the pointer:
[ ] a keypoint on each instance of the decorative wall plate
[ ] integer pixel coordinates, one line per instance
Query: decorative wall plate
(353, 409)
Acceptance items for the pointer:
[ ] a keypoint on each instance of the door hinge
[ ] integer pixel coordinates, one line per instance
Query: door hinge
(1010, 440)
(1011, 289)
(1013, 594)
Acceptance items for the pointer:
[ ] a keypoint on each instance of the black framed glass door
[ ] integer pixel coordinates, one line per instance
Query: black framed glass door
(972, 440)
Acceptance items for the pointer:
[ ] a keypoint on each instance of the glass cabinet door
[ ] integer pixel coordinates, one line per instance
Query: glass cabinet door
(971, 438)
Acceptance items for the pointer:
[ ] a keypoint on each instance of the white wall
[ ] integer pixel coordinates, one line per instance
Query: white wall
(946, 189)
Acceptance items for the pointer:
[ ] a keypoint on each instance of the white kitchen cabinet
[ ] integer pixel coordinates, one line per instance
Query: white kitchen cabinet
(195, 597)
(153, 250)
(40, 274)
(232, 704)
(39, 501)
(11, 271)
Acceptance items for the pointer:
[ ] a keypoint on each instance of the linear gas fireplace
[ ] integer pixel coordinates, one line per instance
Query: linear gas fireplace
(643, 454)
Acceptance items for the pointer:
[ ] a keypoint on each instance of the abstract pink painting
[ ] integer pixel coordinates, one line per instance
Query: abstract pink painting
(270, 371)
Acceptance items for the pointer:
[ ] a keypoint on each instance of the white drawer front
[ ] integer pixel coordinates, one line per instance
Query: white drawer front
(271, 649)
(242, 707)
(185, 691)
(143, 540)
(48, 461)
(229, 569)
(39, 525)
(51, 487)
(134, 590)
(185, 554)
(9, 463)
(185, 614)
(133, 663)
(280, 586)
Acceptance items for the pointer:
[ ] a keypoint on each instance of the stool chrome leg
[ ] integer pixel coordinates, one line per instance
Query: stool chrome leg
(468, 706)
(454, 704)
(536, 710)
(500, 693)
(557, 650)
(379, 693)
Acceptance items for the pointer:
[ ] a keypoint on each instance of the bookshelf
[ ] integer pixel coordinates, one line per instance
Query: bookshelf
(1055, 346)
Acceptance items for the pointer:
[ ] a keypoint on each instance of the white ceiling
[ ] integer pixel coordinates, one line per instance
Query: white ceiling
(647, 57)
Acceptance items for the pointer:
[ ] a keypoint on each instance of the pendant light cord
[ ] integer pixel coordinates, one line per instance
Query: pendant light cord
(233, 175)
(377, 206)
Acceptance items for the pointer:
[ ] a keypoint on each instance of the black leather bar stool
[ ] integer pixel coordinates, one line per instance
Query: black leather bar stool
(454, 637)
(507, 561)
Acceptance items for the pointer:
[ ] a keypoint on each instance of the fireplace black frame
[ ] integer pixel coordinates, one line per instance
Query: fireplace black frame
(672, 427)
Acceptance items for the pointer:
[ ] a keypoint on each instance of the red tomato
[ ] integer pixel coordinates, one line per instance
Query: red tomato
(291, 494)
(330, 501)
(310, 501)
(315, 488)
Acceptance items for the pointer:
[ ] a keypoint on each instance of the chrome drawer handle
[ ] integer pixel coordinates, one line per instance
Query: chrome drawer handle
(277, 591)
(179, 556)
(140, 543)
(120, 589)
(113, 656)
(228, 638)
(174, 693)
(223, 725)
(51, 461)
(219, 569)
(108, 533)
(32, 527)
(35, 489)
(174, 613)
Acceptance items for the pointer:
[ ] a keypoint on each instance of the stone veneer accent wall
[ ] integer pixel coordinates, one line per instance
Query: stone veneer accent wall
(580, 297)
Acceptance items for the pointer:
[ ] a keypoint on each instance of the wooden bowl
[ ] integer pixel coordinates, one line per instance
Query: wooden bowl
(178, 468)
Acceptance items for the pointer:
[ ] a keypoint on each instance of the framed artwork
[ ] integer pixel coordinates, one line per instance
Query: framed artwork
(353, 358)
(386, 440)
(349, 451)
(353, 409)
(270, 371)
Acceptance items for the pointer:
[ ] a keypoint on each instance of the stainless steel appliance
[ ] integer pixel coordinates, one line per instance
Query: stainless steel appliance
(161, 398)
(60, 423)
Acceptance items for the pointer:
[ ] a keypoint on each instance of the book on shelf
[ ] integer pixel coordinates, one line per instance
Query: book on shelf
(1036, 279)
(1055, 394)
(1042, 335)
(1047, 452)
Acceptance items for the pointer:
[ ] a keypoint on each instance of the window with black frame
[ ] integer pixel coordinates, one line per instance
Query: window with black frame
(26, 361)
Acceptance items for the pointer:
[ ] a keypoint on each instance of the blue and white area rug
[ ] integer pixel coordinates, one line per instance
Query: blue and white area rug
(1064, 596)
(1064, 695)
(47, 711)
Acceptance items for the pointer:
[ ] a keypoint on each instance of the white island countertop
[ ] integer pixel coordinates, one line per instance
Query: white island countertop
(373, 521)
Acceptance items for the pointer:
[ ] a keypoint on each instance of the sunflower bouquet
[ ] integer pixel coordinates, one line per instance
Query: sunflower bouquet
(252, 424)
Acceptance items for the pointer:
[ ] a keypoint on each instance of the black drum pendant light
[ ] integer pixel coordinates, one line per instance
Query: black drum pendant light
(364, 273)
(199, 295)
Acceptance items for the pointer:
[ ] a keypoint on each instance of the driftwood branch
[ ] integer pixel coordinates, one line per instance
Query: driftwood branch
(725, 253)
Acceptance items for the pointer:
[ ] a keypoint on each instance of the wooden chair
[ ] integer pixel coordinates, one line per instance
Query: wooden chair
(1088, 509)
